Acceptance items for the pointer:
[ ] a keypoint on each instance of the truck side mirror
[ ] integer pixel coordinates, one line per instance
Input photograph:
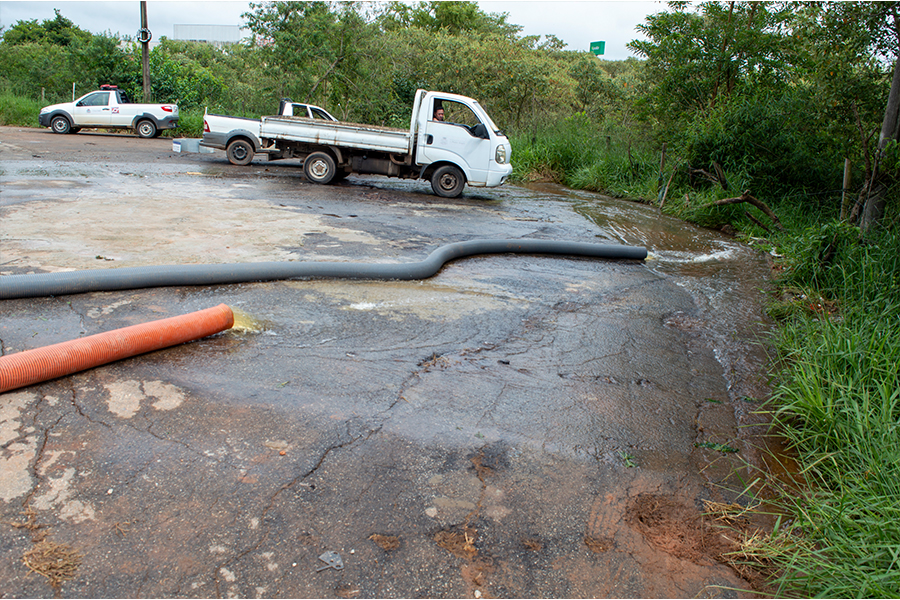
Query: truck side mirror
(480, 131)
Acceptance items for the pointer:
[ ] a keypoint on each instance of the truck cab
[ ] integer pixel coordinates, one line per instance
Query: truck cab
(465, 137)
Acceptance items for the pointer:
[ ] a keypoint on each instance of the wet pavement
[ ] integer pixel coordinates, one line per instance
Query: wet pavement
(516, 426)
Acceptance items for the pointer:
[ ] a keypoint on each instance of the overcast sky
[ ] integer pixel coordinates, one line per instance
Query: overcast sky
(577, 23)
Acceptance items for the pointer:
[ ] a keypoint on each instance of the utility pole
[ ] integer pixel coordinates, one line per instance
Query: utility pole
(144, 37)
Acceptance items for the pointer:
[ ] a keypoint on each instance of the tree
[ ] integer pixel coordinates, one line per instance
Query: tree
(696, 58)
(48, 58)
(59, 31)
(852, 54)
(450, 17)
(308, 45)
(592, 84)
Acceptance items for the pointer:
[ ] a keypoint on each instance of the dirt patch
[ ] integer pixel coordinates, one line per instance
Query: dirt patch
(386, 542)
(677, 529)
(532, 544)
(347, 591)
(458, 542)
(481, 469)
(598, 545)
(720, 534)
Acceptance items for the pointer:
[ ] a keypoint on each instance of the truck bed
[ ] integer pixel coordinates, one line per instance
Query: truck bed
(348, 135)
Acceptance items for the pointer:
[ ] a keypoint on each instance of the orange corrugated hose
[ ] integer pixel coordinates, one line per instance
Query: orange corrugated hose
(58, 360)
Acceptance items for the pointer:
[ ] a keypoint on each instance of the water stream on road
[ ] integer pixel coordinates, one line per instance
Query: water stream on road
(727, 280)
(538, 402)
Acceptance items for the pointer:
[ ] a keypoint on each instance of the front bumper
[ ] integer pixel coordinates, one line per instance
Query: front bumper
(498, 174)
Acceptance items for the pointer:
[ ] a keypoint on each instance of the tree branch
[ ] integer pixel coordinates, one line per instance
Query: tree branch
(746, 197)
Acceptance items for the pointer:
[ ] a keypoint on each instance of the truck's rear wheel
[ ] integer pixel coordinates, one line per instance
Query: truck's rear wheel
(60, 124)
(240, 152)
(146, 129)
(319, 167)
(448, 181)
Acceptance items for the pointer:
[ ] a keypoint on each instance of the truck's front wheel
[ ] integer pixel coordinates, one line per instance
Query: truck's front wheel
(319, 167)
(240, 152)
(60, 124)
(448, 181)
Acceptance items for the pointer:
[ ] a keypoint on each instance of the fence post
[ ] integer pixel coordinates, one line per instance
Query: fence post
(845, 189)
(662, 166)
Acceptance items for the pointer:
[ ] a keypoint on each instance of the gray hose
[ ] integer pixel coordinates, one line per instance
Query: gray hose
(129, 278)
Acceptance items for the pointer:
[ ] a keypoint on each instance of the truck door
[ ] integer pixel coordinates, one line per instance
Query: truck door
(454, 139)
(121, 112)
(93, 110)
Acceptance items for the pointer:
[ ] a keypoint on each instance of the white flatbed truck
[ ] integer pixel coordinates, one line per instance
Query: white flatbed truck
(466, 148)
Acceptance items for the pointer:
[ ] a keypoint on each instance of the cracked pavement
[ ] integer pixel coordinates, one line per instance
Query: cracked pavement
(496, 422)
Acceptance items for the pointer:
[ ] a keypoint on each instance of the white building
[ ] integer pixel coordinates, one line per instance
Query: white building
(211, 34)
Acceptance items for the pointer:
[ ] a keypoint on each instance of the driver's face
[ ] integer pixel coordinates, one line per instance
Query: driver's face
(439, 114)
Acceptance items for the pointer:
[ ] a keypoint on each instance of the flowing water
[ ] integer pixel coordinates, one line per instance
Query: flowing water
(527, 426)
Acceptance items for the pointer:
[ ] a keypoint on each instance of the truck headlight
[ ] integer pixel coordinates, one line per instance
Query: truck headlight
(500, 155)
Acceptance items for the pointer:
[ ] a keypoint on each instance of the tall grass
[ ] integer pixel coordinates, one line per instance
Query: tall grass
(19, 111)
(837, 401)
(581, 154)
(190, 124)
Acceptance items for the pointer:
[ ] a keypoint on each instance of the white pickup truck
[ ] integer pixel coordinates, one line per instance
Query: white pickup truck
(109, 108)
(451, 141)
(239, 136)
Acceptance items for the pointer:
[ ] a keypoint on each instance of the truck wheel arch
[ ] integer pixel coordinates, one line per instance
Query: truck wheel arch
(136, 124)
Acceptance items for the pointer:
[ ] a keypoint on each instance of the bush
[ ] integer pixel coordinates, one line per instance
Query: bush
(15, 110)
(190, 123)
(768, 141)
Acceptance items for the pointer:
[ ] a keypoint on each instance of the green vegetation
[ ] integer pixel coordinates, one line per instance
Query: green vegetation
(838, 403)
(751, 101)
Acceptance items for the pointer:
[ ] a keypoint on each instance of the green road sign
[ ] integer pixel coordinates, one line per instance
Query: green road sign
(598, 47)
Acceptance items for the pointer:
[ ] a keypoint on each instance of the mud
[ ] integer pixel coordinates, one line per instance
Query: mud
(522, 426)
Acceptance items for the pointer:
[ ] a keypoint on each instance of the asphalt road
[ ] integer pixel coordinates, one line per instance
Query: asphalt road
(525, 426)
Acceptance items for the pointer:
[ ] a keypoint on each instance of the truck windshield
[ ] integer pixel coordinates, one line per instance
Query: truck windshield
(490, 122)
(458, 113)
(318, 113)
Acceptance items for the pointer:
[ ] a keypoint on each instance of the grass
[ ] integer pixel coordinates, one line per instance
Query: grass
(18, 111)
(837, 402)
(574, 154)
